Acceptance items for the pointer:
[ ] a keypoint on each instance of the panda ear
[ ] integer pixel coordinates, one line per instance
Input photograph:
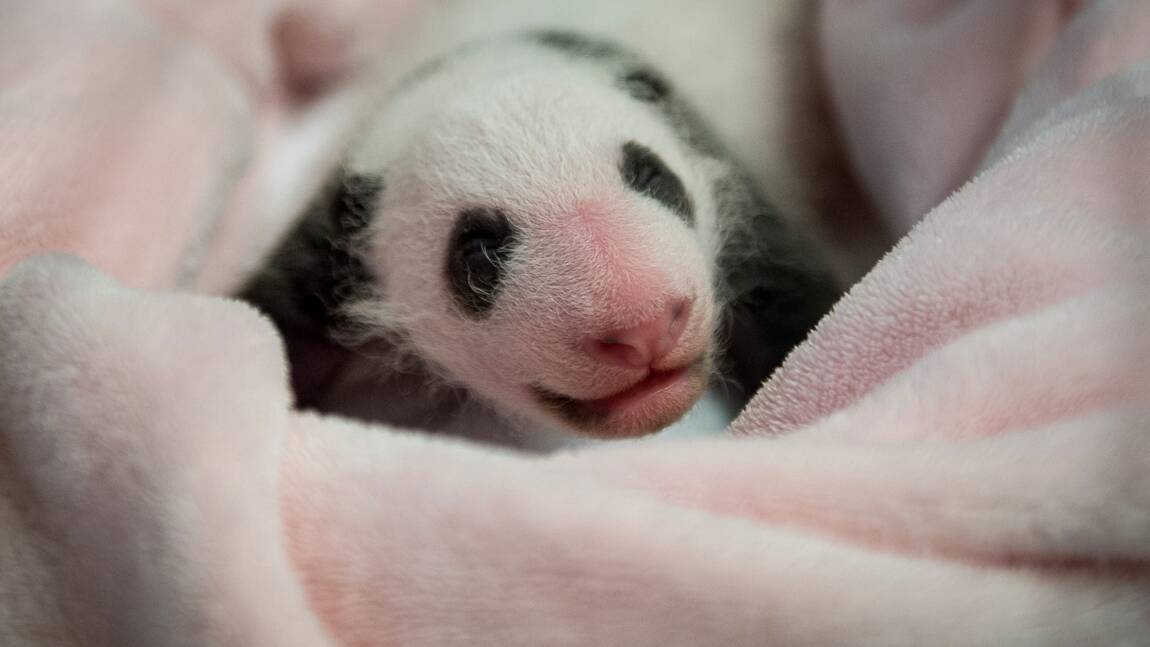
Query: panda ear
(318, 267)
(646, 85)
(350, 211)
(356, 197)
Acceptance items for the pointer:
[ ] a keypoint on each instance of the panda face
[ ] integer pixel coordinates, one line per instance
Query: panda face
(548, 243)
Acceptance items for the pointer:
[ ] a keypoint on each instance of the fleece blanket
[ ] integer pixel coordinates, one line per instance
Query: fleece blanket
(959, 453)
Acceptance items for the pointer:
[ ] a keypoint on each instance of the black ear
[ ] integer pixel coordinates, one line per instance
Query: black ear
(352, 205)
(647, 85)
(317, 268)
(776, 283)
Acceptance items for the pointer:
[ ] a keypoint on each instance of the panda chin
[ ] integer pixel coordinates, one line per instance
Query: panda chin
(653, 403)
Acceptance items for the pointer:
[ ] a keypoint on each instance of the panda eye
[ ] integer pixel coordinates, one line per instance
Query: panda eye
(481, 244)
(646, 173)
(476, 250)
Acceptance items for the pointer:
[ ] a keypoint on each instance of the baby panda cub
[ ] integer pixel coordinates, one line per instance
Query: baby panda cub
(542, 222)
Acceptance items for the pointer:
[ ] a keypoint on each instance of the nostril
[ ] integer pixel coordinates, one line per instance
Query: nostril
(642, 345)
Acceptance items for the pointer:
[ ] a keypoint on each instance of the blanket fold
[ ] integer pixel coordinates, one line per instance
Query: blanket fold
(154, 491)
(959, 454)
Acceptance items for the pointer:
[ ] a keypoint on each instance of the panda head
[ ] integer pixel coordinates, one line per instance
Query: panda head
(546, 240)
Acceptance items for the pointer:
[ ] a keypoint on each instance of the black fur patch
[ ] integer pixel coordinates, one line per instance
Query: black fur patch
(480, 246)
(645, 172)
(775, 283)
(317, 268)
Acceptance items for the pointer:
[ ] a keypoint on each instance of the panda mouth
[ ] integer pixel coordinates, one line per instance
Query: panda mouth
(595, 414)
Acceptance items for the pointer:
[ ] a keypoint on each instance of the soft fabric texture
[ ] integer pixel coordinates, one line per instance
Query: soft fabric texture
(169, 142)
(959, 454)
(922, 86)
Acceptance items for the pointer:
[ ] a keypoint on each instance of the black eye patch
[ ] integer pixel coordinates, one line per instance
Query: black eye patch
(481, 243)
(645, 172)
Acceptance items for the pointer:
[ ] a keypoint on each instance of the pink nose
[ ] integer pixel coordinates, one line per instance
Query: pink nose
(642, 345)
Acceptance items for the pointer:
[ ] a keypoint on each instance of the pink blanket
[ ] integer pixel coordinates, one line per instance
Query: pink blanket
(959, 454)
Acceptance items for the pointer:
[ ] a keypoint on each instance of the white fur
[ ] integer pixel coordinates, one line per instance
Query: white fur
(539, 135)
